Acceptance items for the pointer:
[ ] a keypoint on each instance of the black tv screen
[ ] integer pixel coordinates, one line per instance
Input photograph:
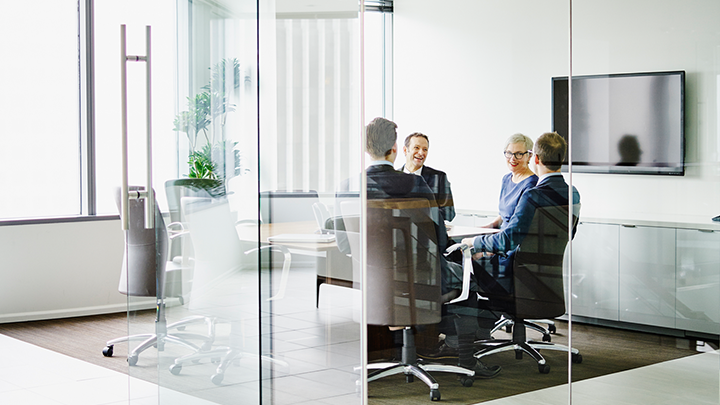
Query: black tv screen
(623, 123)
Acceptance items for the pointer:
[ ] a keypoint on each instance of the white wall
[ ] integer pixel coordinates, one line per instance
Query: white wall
(60, 270)
(471, 73)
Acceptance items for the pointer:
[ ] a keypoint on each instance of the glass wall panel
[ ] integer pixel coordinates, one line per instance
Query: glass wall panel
(645, 260)
(42, 81)
(309, 136)
(469, 76)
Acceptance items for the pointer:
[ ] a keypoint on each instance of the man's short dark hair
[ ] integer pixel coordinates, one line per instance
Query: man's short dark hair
(415, 135)
(381, 136)
(551, 148)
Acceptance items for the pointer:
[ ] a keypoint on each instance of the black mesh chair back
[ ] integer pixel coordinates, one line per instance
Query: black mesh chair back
(538, 265)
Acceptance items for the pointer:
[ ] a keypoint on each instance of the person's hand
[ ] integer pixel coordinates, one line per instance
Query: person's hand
(468, 241)
(480, 255)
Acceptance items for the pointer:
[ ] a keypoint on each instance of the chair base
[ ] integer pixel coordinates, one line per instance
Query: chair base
(521, 345)
(159, 339)
(507, 324)
(226, 356)
(412, 368)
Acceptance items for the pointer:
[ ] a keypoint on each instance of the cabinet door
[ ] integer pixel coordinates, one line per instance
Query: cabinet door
(647, 275)
(698, 281)
(595, 271)
(464, 220)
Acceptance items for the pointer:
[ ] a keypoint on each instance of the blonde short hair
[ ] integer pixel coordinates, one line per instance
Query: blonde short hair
(520, 138)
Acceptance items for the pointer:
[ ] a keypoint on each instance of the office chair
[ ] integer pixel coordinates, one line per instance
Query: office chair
(403, 279)
(220, 281)
(144, 274)
(538, 287)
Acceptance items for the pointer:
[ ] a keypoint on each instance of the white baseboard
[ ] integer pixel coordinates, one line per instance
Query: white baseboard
(138, 304)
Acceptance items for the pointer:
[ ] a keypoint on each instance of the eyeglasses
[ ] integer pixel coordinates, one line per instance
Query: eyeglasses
(518, 155)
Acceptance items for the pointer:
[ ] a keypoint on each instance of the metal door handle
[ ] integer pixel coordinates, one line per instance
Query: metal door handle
(147, 194)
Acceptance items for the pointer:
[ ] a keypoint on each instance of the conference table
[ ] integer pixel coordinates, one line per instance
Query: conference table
(337, 269)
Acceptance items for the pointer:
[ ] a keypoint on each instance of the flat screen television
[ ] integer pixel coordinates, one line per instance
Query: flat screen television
(623, 123)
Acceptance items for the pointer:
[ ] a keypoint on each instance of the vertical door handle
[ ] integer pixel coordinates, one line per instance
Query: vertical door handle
(147, 194)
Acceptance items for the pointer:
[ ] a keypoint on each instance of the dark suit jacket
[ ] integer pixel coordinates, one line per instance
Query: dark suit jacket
(438, 182)
(551, 191)
(384, 182)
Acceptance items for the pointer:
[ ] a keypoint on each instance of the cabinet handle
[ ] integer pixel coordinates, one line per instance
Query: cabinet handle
(706, 230)
(147, 194)
(628, 226)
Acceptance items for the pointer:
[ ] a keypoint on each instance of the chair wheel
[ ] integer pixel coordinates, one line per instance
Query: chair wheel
(466, 380)
(508, 328)
(434, 395)
(576, 358)
(518, 354)
(217, 378)
(108, 351)
(544, 368)
(552, 328)
(409, 378)
(132, 360)
(546, 337)
(175, 369)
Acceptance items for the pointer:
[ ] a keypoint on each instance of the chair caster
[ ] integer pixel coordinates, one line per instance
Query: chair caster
(132, 359)
(544, 368)
(108, 351)
(466, 380)
(576, 358)
(434, 395)
(175, 369)
(546, 337)
(508, 328)
(409, 378)
(217, 379)
(552, 328)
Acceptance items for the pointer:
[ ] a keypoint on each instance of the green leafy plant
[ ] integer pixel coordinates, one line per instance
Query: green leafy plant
(210, 158)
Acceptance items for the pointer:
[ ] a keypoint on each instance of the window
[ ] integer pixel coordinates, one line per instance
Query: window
(40, 109)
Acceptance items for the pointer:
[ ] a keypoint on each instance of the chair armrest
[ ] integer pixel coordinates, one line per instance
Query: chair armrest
(467, 272)
(173, 233)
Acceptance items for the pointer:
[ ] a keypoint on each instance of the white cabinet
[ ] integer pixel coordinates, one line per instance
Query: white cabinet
(646, 269)
(595, 271)
(698, 280)
(466, 219)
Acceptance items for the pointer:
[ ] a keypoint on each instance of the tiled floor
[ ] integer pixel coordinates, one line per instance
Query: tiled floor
(31, 375)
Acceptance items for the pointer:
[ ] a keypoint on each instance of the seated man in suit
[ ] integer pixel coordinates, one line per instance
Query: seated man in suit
(551, 190)
(384, 182)
(416, 150)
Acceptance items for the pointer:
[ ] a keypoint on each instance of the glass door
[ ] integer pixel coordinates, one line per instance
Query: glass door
(257, 300)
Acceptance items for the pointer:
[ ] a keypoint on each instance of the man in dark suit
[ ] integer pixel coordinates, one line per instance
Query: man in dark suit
(551, 190)
(416, 151)
(384, 182)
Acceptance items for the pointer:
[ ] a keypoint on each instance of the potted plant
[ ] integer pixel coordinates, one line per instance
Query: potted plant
(211, 157)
